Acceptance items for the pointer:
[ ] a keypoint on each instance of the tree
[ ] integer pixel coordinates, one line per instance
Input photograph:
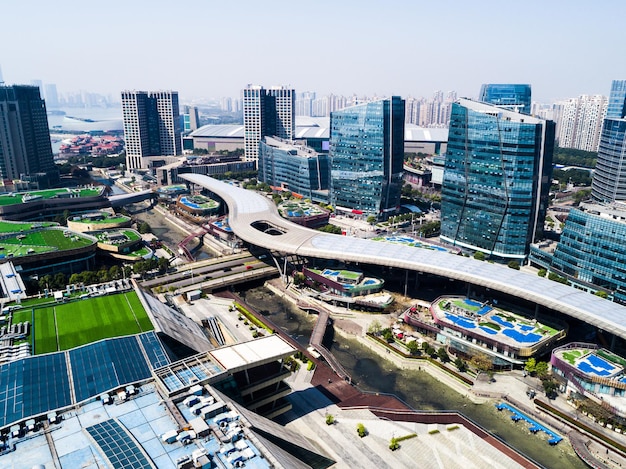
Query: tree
(163, 264)
(479, 256)
(443, 355)
(541, 369)
(460, 364)
(550, 387)
(115, 272)
(482, 362)
(144, 228)
(375, 327)
(413, 347)
(387, 335)
(513, 265)
(531, 365)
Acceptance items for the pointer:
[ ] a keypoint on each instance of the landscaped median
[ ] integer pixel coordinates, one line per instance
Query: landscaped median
(252, 318)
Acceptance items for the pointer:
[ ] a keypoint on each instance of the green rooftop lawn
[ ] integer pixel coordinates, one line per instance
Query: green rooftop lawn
(106, 219)
(132, 235)
(571, 355)
(349, 274)
(16, 227)
(17, 198)
(139, 252)
(41, 241)
(463, 305)
(89, 320)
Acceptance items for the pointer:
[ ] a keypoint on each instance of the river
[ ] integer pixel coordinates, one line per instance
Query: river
(417, 388)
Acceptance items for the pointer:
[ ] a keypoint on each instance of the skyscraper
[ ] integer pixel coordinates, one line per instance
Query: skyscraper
(367, 152)
(152, 125)
(25, 148)
(609, 178)
(496, 179)
(266, 113)
(514, 97)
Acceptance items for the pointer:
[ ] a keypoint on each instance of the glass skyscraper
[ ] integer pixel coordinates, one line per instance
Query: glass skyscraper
(366, 154)
(496, 179)
(591, 249)
(609, 178)
(296, 168)
(25, 148)
(514, 97)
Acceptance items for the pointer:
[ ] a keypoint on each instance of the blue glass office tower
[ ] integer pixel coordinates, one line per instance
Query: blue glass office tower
(296, 168)
(366, 154)
(591, 249)
(513, 97)
(496, 179)
(609, 178)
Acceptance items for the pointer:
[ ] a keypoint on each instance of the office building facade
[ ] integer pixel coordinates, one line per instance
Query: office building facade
(496, 179)
(609, 178)
(590, 252)
(366, 155)
(25, 148)
(514, 97)
(295, 168)
(152, 125)
(267, 113)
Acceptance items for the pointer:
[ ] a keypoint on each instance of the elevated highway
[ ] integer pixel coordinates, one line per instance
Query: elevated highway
(255, 219)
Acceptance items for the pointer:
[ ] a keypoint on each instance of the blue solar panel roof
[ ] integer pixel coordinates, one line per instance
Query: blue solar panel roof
(117, 446)
(106, 365)
(33, 386)
(39, 384)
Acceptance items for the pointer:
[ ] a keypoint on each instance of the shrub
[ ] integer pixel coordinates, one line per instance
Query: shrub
(360, 429)
(393, 444)
(330, 419)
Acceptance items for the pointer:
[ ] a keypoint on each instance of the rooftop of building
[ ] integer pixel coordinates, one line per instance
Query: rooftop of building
(614, 211)
(319, 128)
(290, 146)
(492, 322)
(13, 198)
(498, 111)
(100, 217)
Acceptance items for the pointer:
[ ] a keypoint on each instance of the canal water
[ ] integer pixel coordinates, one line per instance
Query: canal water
(417, 388)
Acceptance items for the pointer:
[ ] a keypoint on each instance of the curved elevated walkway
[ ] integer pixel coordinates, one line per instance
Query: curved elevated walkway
(255, 219)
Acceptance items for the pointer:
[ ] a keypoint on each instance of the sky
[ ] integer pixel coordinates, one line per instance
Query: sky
(212, 49)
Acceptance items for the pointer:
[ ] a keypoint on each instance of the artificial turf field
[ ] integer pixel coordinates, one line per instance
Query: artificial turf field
(68, 325)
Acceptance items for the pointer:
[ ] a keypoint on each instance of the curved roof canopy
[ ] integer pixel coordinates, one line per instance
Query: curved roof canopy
(255, 219)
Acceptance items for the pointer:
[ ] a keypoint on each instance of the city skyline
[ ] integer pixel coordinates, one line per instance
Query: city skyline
(365, 48)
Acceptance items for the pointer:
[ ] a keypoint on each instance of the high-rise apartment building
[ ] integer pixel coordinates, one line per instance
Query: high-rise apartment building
(25, 148)
(267, 112)
(581, 122)
(366, 154)
(152, 125)
(304, 103)
(496, 179)
(514, 97)
(609, 178)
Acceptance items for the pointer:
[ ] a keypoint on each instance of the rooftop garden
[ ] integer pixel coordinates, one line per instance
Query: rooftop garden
(13, 198)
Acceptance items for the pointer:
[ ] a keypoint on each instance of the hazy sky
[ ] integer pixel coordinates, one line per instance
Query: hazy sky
(208, 48)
